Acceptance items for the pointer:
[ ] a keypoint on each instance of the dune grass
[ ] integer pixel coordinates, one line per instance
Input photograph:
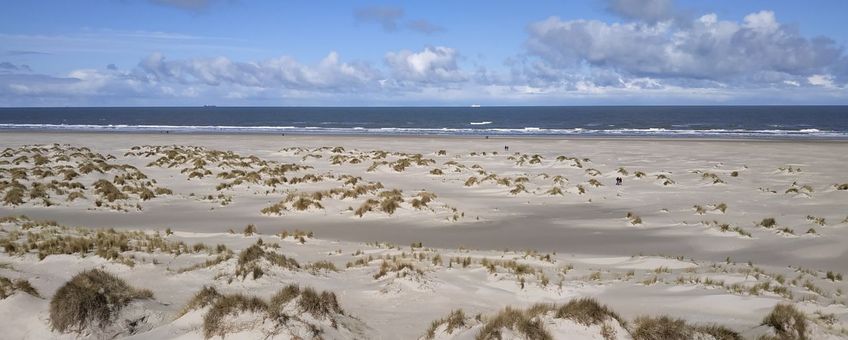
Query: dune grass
(668, 328)
(91, 299)
(250, 230)
(249, 261)
(455, 320)
(321, 305)
(9, 287)
(787, 322)
(205, 297)
(768, 222)
(634, 220)
(528, 322)
(515, 320)
(224, 305)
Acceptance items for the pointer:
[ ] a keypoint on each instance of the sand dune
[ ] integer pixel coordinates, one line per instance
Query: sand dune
(390, 238)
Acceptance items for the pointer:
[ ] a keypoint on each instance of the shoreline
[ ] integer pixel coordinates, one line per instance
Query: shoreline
(785, 139)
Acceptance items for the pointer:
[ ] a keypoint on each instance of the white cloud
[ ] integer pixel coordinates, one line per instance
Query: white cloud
(824, 80)
(431, 65)
(285, 72)
(707, 51)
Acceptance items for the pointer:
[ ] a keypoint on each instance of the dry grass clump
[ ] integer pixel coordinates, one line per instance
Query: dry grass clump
(9, 287)
(721, 207)
(575, 161)
(471, 181)
(515, 320)
(437, 172)
(843, 186)
(205, 297)
(422, 199)
(700, 210)
(298, 202)
(319, 304)
(634, 220)
(665, 179)
(530, 325)
(14, 196)
(725, 227)
(91, 299)
(832, 276)
(391, 200)
(323, 265)
(108, 191)
(639, 174)
(250, 229)
(456, 319)
(323, 305)
(213, 320)
(400, 268)
(787, 323)
(250, 261)
(366, 207)
(595, 183)
(47, 238)
(580, 189)
(304, 203)
(711, 177)
(768, 222)
(667, 328)
(817, 220)
(74, 195)
(555, 191)
(519, 188)
(274, 209)
(587, 311)
(297, 234)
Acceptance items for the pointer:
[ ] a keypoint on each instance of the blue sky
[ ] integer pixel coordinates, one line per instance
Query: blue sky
(239, 52)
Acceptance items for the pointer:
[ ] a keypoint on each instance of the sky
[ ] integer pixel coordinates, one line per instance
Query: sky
(430, 53)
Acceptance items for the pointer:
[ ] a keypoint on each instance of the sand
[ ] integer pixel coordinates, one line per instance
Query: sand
(579, 244)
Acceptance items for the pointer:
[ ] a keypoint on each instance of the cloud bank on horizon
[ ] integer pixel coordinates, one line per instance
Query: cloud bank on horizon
(617, 52)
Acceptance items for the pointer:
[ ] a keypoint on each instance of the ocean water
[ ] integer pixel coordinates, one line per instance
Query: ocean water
(805, 122)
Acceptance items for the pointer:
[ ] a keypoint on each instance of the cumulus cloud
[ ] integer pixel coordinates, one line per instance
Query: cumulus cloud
(285, 72)
(759, 51)
(432, 65)
(387, 17)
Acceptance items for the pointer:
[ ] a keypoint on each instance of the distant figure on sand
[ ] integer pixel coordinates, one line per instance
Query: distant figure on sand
(506, 148)
(618, 181)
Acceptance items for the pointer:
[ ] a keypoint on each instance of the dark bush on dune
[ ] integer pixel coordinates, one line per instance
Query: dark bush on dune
(91, 298)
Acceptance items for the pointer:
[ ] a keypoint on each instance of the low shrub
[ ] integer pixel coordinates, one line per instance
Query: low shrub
(91, 298)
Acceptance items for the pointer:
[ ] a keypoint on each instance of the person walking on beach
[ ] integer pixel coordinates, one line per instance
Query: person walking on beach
(618, 181)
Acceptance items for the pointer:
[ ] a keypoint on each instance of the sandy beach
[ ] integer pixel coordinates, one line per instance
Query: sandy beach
(406, 230)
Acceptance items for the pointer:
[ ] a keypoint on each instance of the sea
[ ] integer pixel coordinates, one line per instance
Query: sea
(757, 122)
